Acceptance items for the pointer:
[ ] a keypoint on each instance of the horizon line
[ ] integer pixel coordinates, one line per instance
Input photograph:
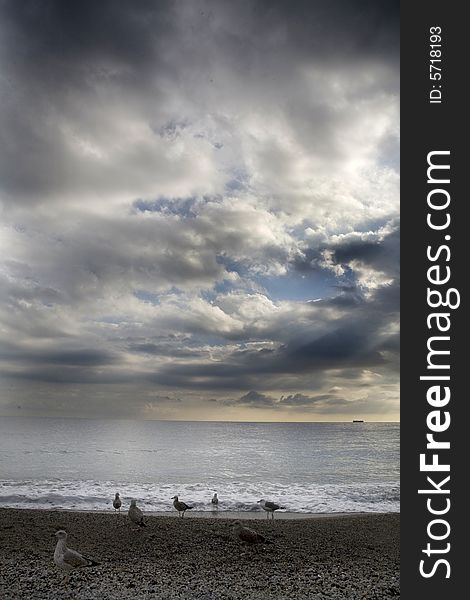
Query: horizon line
(183, 420)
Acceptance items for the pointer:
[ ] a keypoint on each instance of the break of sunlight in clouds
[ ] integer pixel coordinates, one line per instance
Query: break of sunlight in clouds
(199, 209)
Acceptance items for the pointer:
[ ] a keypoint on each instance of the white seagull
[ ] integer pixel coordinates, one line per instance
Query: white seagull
(117, 502)
(136, 515)
(181, 507)
(269, 507)
(68, 559)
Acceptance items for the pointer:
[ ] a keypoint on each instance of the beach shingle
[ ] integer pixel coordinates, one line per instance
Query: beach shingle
(352, 557)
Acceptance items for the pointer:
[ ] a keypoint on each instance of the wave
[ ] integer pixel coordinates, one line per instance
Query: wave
(234, 496)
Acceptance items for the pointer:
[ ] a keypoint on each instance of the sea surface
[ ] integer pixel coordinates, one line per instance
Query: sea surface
(307, 467)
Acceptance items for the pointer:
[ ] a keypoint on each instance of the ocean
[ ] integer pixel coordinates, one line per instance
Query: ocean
(307, 467)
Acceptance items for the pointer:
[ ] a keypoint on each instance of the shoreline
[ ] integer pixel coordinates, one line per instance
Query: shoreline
(341, 557)
(228, 515)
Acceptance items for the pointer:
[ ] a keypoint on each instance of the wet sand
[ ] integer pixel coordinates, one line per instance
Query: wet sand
(324, 556)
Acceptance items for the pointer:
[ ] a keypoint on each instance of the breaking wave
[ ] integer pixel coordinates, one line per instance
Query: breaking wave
(241, 496)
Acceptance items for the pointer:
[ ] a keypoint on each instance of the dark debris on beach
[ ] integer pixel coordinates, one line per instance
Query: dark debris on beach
(353, 557)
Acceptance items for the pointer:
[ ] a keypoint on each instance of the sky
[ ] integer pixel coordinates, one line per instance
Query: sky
(199, 209)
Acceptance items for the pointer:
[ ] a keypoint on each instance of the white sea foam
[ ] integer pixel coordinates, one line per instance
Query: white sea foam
(92, 495)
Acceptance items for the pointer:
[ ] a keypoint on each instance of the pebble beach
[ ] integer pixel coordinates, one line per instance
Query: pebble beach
(336, 557)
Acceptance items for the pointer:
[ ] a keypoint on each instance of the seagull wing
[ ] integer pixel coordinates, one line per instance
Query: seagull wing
(140, 518)
(75, 559)
(272, 505)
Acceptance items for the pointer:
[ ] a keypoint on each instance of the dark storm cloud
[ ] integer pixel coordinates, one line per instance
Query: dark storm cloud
(378, 251)
(382, 254)
(350, 298)
(68, 375)
(165, 349)
(388, 297)
(64, 366)
(61, 31)
(356, 342)
(56, 53)
(64, 54)
(363, 27)
(254, 398)
(348, 345)
(70, 358)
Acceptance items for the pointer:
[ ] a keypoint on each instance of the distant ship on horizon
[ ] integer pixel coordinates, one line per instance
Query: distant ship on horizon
(358, 420)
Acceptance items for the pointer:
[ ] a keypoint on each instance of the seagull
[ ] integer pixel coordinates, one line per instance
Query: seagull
(247, 535)
(181, 507)
(68, 559)
(269, 507)
(215, 501)
(135, 514)
(117, 502)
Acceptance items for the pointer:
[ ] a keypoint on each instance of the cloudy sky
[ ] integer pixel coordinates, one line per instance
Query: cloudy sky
(199, 209)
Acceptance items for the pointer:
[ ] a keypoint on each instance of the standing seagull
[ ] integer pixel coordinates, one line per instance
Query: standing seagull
(67, 559)
(117, 502)
(247, 535)
(215, 501)
(181, 507)
(136, 515)
(269, 507)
